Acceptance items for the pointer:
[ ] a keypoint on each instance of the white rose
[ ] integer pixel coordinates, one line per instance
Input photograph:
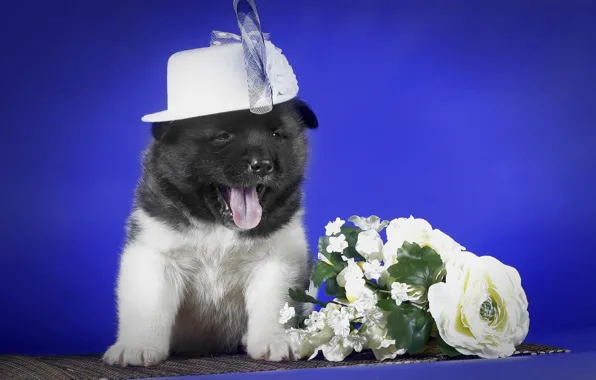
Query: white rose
(419, 231)
(481, 309)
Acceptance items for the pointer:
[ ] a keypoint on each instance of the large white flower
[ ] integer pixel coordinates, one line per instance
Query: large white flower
(351, 272)
(299, 342)
(370, 245)
(337, 349)
(380, 343)
(419, 231)
(481, 309)
(351, 278)
(311, 343)
(373, 222)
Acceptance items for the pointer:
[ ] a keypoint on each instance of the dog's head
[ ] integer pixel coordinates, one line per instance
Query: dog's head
(240, 169)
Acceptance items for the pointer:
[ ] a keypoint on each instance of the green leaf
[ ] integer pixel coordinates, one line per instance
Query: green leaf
(300, 295)
(334, 257)
(410, 327)
(351, 234)
(417, 265)
(399, 329)
(387, 305)
(321, 272)
(333, 289)
(414, 251)
(446, 349)
(421, 326)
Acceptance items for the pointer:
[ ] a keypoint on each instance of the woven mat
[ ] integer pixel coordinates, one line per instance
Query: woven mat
(90, 367)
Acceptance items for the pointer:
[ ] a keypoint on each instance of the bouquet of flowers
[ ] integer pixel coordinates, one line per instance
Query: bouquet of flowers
(394, 296)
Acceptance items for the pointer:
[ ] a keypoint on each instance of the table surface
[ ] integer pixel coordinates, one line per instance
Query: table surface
(579, 364)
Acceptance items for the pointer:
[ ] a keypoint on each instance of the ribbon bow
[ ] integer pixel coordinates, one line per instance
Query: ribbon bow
(225, 38)
(255, 54)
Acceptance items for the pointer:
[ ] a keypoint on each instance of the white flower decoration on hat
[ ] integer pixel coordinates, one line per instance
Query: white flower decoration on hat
(279, 72)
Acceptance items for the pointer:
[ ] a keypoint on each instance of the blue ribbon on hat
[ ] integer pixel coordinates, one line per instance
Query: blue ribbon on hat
(255, 54)
(224, 38)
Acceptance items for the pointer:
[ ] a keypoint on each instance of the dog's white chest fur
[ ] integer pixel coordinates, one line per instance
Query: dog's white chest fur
(205, 289)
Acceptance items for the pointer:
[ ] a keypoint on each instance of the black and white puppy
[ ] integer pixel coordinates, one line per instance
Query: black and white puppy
(215, 238)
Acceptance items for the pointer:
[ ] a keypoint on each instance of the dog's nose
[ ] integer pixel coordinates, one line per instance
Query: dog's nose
(261, 167)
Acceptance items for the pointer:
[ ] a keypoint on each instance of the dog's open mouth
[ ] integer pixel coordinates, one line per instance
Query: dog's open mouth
(244, 203)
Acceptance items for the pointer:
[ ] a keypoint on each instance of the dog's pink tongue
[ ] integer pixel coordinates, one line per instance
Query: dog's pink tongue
(246, 208)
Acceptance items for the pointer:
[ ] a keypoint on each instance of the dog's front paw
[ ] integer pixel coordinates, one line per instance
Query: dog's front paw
(273, 349)
(126, 355)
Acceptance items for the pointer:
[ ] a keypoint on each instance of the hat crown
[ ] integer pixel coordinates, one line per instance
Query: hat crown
(233, 73)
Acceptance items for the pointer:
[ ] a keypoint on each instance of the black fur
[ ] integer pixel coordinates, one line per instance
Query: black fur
(189, 158)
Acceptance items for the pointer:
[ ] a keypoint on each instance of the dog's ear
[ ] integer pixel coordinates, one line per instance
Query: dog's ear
(306, 114)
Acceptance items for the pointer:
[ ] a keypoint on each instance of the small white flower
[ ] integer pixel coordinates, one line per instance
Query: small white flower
(374, 315)
(339, 321)
(315, 322)
(370, 245)
(399, 292)
(334, 227)
(371, 223)
(337, 244)
(286, 314)
(355, 341)
(373, 269)
(481, 309)
(367, 309)
(367, 301)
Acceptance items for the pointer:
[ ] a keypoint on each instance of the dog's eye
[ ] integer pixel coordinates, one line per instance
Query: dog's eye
(277, 135)
(222, 137)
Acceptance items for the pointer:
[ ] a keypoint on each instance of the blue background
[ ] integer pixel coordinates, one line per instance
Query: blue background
(479, 116)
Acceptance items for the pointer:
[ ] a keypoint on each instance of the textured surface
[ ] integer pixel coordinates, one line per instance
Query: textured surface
(90, 367)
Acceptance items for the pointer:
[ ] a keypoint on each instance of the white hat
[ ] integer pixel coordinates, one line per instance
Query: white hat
(233, 73)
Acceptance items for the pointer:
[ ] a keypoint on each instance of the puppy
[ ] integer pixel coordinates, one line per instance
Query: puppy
(215, 238)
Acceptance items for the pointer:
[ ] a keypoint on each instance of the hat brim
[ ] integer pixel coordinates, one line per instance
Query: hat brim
(171, 115)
